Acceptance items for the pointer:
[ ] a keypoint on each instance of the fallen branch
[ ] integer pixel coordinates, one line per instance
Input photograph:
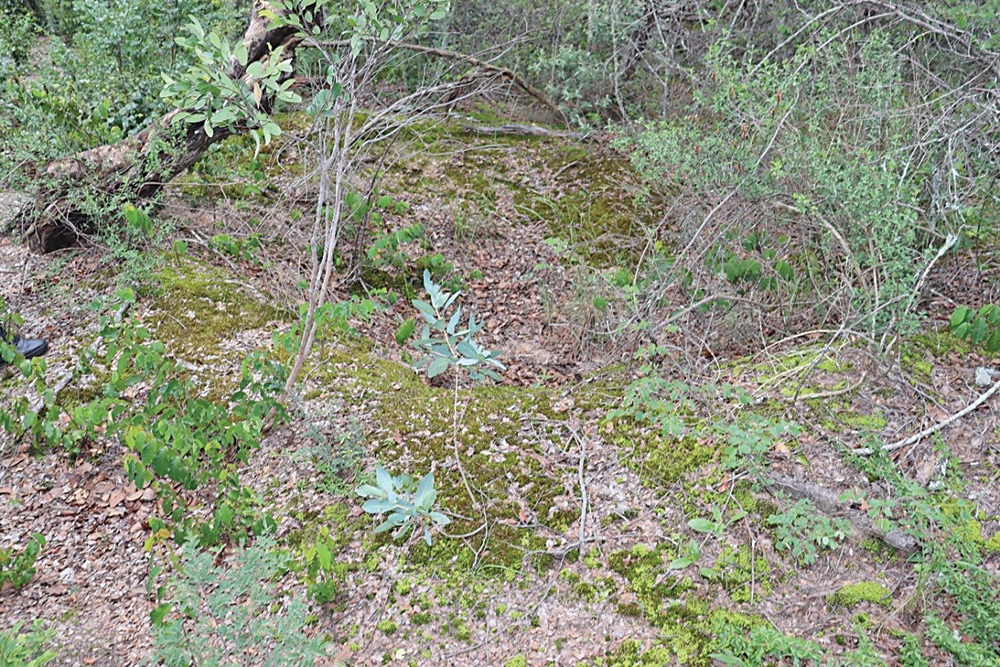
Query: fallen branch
(530, 130)
(829, 394)
(828, 502)
(905, 442)
(504, 72)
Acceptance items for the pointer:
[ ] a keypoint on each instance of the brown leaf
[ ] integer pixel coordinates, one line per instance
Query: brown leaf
(116, 498)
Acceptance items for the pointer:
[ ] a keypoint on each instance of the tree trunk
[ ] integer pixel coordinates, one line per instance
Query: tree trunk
(137, 167)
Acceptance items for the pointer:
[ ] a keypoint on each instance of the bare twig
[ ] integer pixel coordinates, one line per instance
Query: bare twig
(905, 442)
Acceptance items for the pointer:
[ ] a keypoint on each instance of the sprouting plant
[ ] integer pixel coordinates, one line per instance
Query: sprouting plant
(26, 648)
(19, 568)
(407, 503)
(443, 344)
(804, 532)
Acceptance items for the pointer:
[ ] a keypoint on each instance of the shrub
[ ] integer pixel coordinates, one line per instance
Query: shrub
(214, 615)
(26, 649)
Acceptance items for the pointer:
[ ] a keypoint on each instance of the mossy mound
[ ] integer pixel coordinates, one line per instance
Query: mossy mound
(202, 308)
(659, 461)
(852, 595)
(509, 471)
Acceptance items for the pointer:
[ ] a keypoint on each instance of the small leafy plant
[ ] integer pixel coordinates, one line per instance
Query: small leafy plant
(26, 649)
(18, 569)
(217, 615)
(407, 503)
(981, 327)
(442, 344)
(804, 532)
(323, 574)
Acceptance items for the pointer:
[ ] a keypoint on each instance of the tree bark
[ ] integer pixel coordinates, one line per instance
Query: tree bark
(137, 167)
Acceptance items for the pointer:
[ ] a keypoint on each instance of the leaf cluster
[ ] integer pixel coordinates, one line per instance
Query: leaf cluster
(17, 569)
(216, 615)
(26, 649)
(407, 503)
(217, 95)
(981, 327)
(443, 345)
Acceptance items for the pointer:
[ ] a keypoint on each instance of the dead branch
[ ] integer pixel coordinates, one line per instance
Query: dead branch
(828, 502)
(503, 72)
(529, 130)
(905, 442)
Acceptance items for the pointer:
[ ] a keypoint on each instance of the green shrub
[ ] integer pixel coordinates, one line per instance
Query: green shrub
(214, 614)
(26, 649)
(18, 568)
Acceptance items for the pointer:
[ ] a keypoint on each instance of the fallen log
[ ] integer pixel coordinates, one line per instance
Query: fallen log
(137, 167)
(828, 502)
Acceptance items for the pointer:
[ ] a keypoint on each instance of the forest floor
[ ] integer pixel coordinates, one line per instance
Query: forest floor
(572, 514)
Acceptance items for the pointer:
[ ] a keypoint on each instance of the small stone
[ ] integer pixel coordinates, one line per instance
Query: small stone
(984, 376)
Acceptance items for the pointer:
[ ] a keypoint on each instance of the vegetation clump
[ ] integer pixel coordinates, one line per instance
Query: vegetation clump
(852, 595)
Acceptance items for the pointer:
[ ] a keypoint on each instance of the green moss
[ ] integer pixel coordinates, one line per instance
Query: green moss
(940, 343)
(866, 591)
(387, 627)
(422, 618)
(463, 632)
(202, 308)
(517, 661)
(880, 551)
(417, 425)
(664, 601)
(569, 576)
(659, 461)
(969, 534)
(741, 573)
(992, 545)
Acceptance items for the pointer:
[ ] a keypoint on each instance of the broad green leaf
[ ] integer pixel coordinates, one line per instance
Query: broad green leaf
(377, 506)
(959, 316)
(426, 494)
(383, 479)
(438, 366)
(324, 556)
(701, 525)
(426, 310)
(157, 615)
(405, 331)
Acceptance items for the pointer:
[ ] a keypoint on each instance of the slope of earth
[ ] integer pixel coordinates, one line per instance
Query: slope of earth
(601, 512)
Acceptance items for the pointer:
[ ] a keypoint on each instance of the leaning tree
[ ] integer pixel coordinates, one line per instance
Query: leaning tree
(228, 90)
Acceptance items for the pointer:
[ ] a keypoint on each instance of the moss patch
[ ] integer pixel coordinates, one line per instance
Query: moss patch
(659, 461)
(742, 574)
(202, 308)
(852, 595)
(504, 465)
